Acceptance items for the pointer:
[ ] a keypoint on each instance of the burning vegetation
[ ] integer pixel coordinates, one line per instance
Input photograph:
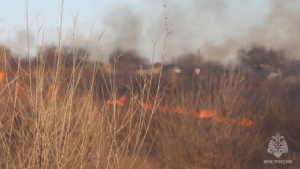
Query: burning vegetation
(59, 109)
(197, 103)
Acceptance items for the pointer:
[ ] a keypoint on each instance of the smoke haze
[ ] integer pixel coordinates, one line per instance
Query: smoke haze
(218, 28)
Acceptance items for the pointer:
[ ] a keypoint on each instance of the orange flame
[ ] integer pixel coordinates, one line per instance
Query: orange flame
(207, 113)
(244, 122)
(204, 114)
(1, 76)
(123, 99)
(147, 105)
(119, 102)
(1, 79)
(49, 93)
(178, 109)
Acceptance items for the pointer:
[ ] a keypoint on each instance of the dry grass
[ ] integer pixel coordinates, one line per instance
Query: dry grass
(58, 118)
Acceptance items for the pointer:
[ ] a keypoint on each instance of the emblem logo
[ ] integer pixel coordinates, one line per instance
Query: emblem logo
(277, 145)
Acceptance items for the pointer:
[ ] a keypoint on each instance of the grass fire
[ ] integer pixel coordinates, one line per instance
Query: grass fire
(210, 84)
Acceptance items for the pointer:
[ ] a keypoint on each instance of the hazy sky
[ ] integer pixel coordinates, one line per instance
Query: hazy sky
(216, 27)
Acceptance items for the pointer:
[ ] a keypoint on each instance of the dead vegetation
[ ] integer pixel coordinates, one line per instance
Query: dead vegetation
(58, 112)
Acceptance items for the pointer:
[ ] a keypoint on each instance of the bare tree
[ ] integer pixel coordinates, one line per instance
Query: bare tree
(51, 56)
(258, 55)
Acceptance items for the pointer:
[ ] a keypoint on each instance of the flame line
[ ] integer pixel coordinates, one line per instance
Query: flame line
(178, 109)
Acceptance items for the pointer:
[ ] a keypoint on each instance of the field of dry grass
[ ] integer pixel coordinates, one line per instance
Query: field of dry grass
(79, 117)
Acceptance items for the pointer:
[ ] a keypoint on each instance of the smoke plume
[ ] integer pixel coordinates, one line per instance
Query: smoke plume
(218, 28)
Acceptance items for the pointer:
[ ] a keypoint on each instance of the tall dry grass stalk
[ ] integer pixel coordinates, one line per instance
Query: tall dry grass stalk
(48, 120)
(66, 129)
